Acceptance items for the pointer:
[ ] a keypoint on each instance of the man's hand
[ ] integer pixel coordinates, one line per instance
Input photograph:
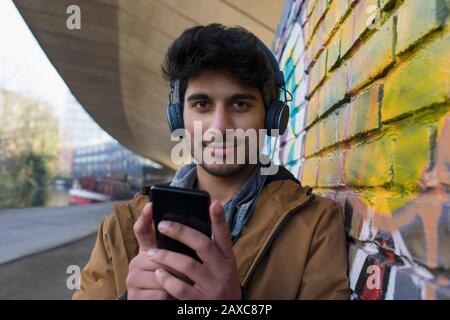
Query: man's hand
(216, 278)
(141, 281)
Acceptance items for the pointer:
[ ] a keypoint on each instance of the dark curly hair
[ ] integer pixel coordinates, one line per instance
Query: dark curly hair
(215, 46)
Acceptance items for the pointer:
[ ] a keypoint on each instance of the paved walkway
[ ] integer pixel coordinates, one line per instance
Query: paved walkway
(28, 231)
(43, 275)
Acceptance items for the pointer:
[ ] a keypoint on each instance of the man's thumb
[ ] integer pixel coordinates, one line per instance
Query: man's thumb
(143, 229)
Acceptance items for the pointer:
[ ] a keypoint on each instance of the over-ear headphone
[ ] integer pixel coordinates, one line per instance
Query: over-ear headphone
(277, 111)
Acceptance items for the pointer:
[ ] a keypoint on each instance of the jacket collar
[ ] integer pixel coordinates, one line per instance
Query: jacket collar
(276, 204)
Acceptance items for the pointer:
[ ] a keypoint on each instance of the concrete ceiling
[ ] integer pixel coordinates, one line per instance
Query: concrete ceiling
(112, 64)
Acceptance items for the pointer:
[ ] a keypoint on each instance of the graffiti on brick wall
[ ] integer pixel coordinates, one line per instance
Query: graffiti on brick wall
(369, 127)
(404, 237)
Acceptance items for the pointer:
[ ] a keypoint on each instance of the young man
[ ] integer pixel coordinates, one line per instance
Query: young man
(291, 246)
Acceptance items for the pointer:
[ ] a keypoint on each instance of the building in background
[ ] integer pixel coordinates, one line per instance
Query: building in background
(88, 150)
(77, 129)
(111, 159)
(108, 171)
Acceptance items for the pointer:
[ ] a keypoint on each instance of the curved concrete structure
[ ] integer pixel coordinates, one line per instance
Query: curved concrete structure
(112, 64)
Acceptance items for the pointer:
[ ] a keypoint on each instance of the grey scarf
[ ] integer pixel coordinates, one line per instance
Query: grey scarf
(237, 208)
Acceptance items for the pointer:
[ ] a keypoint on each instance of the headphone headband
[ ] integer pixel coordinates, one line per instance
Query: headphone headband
(279, 75)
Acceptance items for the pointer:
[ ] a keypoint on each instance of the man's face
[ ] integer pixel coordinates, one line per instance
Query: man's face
(219, 102)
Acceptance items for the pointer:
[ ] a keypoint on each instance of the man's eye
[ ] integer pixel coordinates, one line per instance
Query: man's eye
(201, 105)
(240, 104)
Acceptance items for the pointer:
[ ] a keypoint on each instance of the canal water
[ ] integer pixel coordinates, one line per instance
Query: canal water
(52, 196)
(57, 196)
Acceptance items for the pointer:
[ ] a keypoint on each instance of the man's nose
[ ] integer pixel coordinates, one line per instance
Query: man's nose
(221, 120)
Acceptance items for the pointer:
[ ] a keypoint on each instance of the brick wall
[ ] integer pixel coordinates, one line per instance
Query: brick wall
(370, 128)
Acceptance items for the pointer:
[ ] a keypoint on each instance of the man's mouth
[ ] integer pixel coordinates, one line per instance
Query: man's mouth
(219, 149)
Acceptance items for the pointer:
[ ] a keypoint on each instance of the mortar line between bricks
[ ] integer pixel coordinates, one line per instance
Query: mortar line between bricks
(322, 18)
(364, 37)
(381, 75)
(435, 110)
(352, 93)
(421, 43)
(337, 25)
(418, 116)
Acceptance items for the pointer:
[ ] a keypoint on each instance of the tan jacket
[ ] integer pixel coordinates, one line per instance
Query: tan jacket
(293, 247)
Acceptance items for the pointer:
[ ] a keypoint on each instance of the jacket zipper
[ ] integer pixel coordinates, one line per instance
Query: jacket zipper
(272, 238)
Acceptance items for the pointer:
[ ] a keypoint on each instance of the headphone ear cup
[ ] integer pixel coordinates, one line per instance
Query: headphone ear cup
(271, 111)
(283, 117)
(169, 117)
(277, 117)
(175, 116)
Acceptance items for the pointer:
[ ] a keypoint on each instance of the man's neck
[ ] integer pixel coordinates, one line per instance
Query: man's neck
(222, 188)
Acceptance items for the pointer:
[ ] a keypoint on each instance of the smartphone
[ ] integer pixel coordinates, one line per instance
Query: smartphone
(186, 206)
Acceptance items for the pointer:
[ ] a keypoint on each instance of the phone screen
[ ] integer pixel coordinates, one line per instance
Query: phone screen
(186, 206)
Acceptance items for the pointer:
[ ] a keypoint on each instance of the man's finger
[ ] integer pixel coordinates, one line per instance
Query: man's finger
(149, 295)
(179, 265)
(194, 239)
(143, 229)
(143, 280)
(176, 287)
(220, 229)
